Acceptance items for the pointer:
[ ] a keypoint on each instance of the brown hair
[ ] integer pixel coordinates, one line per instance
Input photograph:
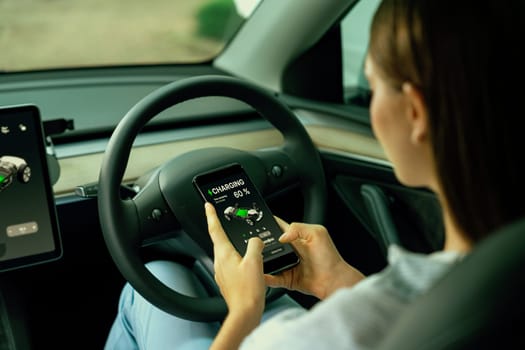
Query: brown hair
(465, 57)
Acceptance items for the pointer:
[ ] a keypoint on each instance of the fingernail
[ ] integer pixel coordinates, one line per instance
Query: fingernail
(283, 236)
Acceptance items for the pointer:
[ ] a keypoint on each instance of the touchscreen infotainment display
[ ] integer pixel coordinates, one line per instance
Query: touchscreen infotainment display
(28, 222)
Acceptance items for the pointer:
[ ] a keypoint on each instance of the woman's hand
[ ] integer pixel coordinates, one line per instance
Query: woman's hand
(322, 270)
(240, 279)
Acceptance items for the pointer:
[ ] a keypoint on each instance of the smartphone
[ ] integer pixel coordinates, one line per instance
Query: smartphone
(244, 214)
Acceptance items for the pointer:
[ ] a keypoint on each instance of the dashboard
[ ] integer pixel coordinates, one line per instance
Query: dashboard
(97, 104)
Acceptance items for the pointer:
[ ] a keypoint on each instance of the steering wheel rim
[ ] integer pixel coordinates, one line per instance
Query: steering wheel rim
(120, 219)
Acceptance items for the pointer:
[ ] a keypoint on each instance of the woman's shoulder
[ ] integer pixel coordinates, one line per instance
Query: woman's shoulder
(409, 274)
(355, 317)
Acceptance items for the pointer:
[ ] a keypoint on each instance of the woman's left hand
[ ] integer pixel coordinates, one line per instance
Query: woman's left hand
(240, 279)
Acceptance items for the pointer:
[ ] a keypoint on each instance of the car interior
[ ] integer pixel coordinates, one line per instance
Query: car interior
(112, 149)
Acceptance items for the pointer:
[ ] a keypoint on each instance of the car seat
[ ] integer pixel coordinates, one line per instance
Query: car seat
(479, 304)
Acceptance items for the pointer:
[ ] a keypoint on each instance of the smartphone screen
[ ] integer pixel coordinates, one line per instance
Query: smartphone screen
(28, 222)
(244, 214)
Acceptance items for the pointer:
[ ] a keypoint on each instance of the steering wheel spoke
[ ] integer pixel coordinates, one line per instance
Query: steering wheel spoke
(280, 170)
(156, 220)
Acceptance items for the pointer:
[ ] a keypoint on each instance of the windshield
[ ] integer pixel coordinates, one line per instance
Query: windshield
(45, 34)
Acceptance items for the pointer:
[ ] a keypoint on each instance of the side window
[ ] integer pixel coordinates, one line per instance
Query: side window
(354, 36)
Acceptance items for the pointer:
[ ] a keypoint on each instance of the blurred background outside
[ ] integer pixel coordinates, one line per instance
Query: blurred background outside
(47, 34)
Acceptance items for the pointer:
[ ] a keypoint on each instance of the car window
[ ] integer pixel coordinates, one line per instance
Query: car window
(38, 34)
(354, 35)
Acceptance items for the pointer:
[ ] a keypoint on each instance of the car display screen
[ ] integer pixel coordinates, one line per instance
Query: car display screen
(28, 222)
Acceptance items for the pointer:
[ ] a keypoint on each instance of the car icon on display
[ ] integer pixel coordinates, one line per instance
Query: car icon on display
(12, 167)
(248, 215)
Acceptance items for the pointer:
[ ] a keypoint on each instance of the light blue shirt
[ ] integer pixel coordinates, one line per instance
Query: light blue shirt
(356, 317)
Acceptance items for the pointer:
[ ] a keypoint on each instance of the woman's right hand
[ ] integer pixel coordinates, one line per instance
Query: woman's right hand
(321, 270)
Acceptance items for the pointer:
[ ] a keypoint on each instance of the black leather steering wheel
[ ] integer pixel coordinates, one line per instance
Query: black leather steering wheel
(168, 201)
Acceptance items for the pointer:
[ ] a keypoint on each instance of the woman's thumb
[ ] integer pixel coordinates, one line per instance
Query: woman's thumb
(255, 248)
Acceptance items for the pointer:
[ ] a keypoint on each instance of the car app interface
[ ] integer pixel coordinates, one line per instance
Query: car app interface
(26, 226)
(244, 214)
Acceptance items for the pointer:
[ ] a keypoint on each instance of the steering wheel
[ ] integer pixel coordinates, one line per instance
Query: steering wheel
(168, 201)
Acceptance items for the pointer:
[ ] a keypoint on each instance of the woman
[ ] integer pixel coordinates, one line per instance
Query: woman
(447, 80)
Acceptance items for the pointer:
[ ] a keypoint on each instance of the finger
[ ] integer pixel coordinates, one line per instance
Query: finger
(275, 281)
(254, 250)
(282, 224)
(217, 234)
(255, 246)
(293, 233)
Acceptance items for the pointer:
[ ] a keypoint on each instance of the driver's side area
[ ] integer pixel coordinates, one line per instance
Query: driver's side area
(74, 300)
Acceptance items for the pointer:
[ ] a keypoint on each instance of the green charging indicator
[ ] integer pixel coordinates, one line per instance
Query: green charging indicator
(210, 193)
(2, 178)
(243, 213)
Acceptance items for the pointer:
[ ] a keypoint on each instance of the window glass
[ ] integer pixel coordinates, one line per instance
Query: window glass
(355, 35)
(44, 34)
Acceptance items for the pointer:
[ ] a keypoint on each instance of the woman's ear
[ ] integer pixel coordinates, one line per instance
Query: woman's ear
(416, 113)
